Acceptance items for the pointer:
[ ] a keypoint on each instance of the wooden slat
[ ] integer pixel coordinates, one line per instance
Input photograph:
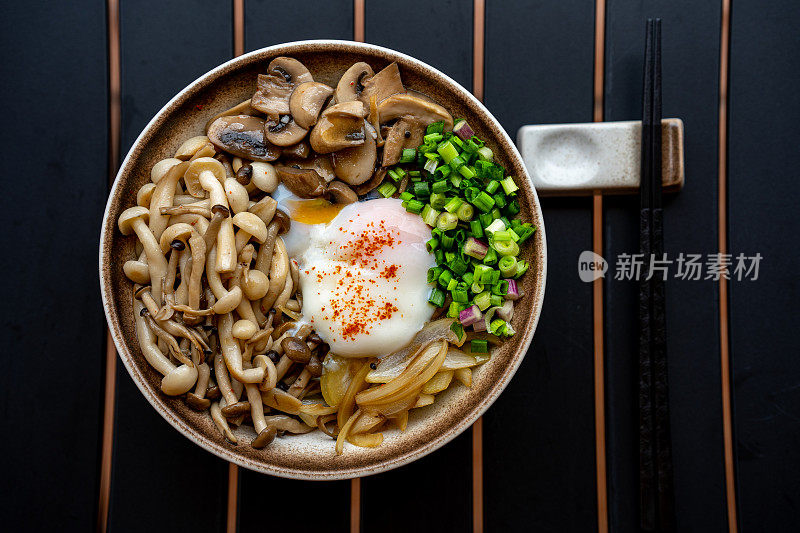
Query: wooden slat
(539, 469)
(268, 23)
(54, 97)
(762, 211)
(690, 60)
(164, 47)
(439, 34)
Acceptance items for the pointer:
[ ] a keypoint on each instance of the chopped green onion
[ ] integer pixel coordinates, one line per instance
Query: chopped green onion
(491, 257)
(479, 346)
(441, 186)
(387, 189)
(452, 204)
(436, 127)
(431, 165)
(500, 288)
(496, 214)
(448, 242)
(422, 189)
(408, 155)
(433, 137)
(524, 231)
(458, 329)
(444, 278)
(393, 174)
(465, 212)
(483, 201)
(509, 186)
(460, 296)
(476, 287)
(438, 200)
(485, 153)
(429, 215)
(495, 226)
(479, 270)
(486, 219)
(439, 256)
(475, 228)
(454, 310)
(447, 151)
(449, 256)
(513, 234)
(442, 172)
(446, 221)
(455, 179)
(436, 297)
(522, 267)
(483, 300)
(433, 273)
(414, 206)
(492, 186)
(406, 196)
(487, 275)
(466, 172)
(502, 235)
(457, 163)
(504, 248)
(432, 244)
(496, 326)
(507, 266)
(458, 266)
(500, 200)
(496, 300)
(452, 284)
(467, 277)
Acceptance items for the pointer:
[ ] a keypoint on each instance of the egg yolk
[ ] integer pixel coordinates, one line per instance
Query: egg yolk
(316, 211)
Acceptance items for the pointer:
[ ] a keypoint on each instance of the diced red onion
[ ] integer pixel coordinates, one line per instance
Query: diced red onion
(470, 316)
(513, 292)
(463, 131)
(475, 248)
(507, 311)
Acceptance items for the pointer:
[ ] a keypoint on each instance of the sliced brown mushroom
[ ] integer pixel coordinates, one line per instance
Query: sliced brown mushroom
(374, 181)
(239, 109)
(382, 85)
(355, 165)
(342, 193)
(305, 183)
(274, 89)
(243, 136)
(340, 126)
(284, 131)
(307, 101)
(300, 150)
(407, 132)
(351, 84)
(424, 111)
(321, 163)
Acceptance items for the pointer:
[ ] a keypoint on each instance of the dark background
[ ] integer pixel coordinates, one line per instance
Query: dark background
(539, 466)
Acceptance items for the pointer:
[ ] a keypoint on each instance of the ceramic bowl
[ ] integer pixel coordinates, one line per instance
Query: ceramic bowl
(311, 456)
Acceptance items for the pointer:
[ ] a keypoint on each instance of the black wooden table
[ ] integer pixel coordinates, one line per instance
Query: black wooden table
(81, 447)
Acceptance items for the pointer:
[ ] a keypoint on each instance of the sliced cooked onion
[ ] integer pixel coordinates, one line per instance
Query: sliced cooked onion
(371, 440)
(394, 364)
(438, 383)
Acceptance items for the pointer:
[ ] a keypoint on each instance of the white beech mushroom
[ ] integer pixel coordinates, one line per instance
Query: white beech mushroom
(250, 226)
(226, 301)
(162, 196)
(206, 174)
(264, 176)
(197, 399)
(238, 199)
(137, 270)
(264, 209)
(161, 168)
(188, 235)
(144, 194)
(133, 220)
(278, 272)
(190, 147)
(233, 355)
(177, 379)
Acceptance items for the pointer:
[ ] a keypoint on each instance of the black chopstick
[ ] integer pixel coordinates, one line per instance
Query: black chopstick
(655, 453)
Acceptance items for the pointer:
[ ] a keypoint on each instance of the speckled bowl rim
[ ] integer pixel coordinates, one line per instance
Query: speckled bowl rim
(389, 462)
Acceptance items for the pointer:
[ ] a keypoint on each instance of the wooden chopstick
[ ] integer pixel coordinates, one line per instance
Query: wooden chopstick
(655, 453)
